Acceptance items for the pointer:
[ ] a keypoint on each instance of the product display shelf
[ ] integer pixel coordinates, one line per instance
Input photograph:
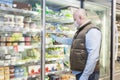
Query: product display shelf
(23, 62)
(60, 24)
(33, 76)
(20, 78)
(53, 59)
(67, 21)
(15, 72)
(56, 59)
(26, 77)
(19, 44)
(18, 11)
(58, 19)
(28, 47)
(48, 46)
(20, 47)
(63, 32)
(57, 72)
(16, 29)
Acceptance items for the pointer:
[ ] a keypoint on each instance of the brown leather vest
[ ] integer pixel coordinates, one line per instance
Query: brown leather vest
(78, 52)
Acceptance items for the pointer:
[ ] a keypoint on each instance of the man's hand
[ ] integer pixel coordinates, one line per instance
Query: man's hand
(53, 36)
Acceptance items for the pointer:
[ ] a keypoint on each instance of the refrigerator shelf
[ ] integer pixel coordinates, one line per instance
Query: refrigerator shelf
(54, 72)
(59, 19)
(31, 62)
(20, 47)
(33, 76)
(20, 41)
(19, 78)
(61, 32)
(58, 72)
(25, 77)
(11, 29)
(18, 11)
(53, 59)
(48, 46)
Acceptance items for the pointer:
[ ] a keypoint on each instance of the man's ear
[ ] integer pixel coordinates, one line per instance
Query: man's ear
(80, 17)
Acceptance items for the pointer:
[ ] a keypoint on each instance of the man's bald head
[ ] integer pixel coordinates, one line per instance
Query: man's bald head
(80, 16)
(80, 13)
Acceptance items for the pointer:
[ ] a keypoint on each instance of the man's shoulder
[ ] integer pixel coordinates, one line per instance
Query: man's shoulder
(94, 31)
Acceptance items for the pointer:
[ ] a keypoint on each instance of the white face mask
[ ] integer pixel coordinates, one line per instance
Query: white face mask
(76, 24)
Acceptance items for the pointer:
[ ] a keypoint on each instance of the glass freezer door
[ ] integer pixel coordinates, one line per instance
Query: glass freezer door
(117, 44)
(59, 23)
(20, 42)
(100, 16)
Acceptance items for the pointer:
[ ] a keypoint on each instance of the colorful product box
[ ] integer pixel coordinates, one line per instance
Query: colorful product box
(6, 73)
(33, 70)
(12, 75)
(1, 73)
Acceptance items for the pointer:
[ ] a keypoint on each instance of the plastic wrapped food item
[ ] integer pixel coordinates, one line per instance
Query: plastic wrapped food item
(19, 25)
(49, 41)
(61, 76)
(67, 13)
(33, 70)
(9, 18)
(67, 77)
(33, 25)
(19, 19)
(1, 25)
(50, 27)
(27, 19)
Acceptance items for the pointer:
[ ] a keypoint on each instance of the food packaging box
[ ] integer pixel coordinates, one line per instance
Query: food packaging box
(1, 73)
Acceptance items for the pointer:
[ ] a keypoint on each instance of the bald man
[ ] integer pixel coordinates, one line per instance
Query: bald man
(85, 47)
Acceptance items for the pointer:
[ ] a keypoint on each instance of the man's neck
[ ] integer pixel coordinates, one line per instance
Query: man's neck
(84, 22)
